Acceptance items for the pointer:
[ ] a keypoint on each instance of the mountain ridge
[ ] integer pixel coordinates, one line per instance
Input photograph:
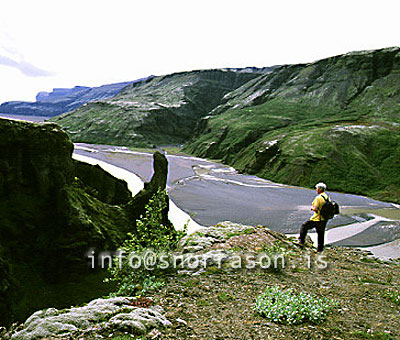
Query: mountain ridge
(161, 110)
(61, 100)
(335, 119)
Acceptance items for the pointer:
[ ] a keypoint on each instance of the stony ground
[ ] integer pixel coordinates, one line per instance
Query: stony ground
(217, 303)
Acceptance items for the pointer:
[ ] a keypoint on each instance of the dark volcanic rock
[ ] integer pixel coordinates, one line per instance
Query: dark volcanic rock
(52, 211)
(105, 187)
(158, 180)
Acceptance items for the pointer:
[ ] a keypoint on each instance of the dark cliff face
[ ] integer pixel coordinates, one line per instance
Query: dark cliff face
(52, 211)
(102, 185)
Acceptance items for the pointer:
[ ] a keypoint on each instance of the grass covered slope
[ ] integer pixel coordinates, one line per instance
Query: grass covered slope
(335, 120)
(161, 110)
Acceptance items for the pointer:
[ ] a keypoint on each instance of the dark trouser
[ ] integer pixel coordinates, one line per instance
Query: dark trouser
(319, 226)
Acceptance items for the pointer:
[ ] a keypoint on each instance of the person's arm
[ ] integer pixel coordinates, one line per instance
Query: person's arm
(315, 205)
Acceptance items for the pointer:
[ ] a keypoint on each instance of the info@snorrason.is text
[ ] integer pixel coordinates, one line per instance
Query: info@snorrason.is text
(150, 260)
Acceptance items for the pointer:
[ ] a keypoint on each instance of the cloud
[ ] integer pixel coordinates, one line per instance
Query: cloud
(25, 67)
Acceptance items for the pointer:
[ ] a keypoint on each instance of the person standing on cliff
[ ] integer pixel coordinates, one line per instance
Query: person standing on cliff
(316, 221)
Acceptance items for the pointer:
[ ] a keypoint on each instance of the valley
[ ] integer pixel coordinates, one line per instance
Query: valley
(335, 119)
(212, 192)
(239, 152)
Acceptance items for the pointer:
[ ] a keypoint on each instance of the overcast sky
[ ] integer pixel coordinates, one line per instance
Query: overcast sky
(46, 44)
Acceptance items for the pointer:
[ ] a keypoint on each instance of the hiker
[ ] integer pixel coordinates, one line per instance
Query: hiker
(316, 221)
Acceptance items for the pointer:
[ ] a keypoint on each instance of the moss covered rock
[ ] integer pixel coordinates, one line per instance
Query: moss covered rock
(52, 212)
(100, 316)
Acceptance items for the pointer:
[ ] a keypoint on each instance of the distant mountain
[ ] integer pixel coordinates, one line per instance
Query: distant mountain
(61, 100)
(59, 93)
(159, 110)
(336, 120)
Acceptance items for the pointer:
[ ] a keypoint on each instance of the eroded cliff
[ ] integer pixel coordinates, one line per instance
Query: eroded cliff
(52, 211)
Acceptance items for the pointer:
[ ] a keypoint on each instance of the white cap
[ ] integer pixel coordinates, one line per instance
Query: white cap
(321, 186)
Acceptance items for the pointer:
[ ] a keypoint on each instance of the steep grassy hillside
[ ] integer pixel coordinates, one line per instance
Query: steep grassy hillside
(335, 120)
(162, 110)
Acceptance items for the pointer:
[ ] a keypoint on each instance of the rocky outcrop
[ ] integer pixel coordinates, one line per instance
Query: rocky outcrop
(52, 211)
(158, 180)
(230, 235)
(100, 317)
(227, 244)
(104, 186)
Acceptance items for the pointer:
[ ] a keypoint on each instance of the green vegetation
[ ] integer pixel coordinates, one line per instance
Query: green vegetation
(163, 110)
(150, 232)
(223, 297)
(237, 233)
(146, 253)
(284, 306)
(370, 334)
(351, 157)
(393, 295)
(277, 253)
(337, 119)
(202, 303)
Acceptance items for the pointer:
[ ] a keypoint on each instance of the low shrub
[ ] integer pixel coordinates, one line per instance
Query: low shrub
(393, 295)
(140, 269)
(284, 306)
